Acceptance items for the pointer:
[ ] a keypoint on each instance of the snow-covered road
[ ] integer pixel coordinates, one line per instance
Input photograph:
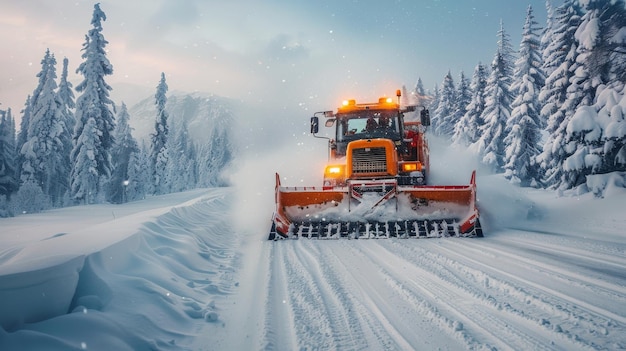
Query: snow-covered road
(554, 279)
(516, 290)
(190, 279)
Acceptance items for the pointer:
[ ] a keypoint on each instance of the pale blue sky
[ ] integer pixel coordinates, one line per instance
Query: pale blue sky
(288, 54)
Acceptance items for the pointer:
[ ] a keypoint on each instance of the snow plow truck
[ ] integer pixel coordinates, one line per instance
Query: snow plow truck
(376, 182)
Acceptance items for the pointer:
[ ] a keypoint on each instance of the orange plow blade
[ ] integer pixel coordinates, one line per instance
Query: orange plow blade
(375, 209)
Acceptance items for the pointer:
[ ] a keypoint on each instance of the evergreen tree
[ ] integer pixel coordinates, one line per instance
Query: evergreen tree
(419, 87)
(26, 120)
(420, 94)
(45, 154)
(593, 71)
(602, 40)
(467, 129)
(217, 154)
(66, 98)
(547, 39)
(22, 136)
(434, 102)
(181, 167)
(138, 179)
(85, 176)
(463, 99)
(561, 55)
(125, 145)
(522, 141)
(611, 48)
(8, 169)
(443, 118)
(94, 116)
(26, 139)
(159, 155)
(497, 105)
(614, 138)
(192, 166)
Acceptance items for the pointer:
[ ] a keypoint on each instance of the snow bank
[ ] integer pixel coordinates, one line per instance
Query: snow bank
(153, 289)
(609, 185)
(39, 294)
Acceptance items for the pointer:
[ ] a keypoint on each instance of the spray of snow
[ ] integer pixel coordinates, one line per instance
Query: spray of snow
(292, 152)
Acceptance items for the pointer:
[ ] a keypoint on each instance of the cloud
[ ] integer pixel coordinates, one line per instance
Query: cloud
(285, 53)
(284, 47)
(169, 14)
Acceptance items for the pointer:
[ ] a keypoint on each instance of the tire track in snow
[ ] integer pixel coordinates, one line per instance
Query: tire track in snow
(351, 323)
(368, 325)
(602, 264)
(598, 287)
(329, 301)
(300, 304)
(565, 317)
(419, 310)
(398, 294)
(278, 321)
(458, 310)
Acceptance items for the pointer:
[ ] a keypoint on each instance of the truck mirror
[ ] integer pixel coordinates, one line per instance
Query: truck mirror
(425, 117)
(329, 122)
(315, 125)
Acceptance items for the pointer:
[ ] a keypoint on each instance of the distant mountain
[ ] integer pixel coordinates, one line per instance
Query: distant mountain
(202, 113)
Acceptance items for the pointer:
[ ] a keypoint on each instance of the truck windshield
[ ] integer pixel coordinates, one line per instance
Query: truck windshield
(367, 125)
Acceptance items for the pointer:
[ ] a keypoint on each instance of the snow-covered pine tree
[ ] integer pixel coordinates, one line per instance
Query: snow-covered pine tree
(211, 159)
(463, 99)
(443, 117)
(593, 73)
(419, 94)
(602, 40)
(8, 168)
(182, 164)
(547, 39)
(191, 170)
(45, 152)
(27, 157)
(217, 154)
(434, 104)
(466, 130)
(21, 137)
(31, 100)
(138, 179)
(159, 154)
(561, 55)
(614, 138)
(498, 98)
(125, 145)
(66, 96)
(610, 101)
(522, 141)
(85, 176)
(91, 158)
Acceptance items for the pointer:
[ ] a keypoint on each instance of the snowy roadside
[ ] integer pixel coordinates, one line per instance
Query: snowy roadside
(158, 256)
(179, 273)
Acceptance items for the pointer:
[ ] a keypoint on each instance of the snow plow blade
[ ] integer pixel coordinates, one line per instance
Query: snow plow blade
(364, 209)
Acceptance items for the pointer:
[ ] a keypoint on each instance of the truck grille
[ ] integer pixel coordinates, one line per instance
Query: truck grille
(369, 160)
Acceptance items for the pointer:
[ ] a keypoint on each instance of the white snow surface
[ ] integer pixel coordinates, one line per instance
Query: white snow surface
(195, 271)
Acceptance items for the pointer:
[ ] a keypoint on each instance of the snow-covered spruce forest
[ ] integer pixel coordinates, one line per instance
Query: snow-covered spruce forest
(82, 151)
(548, 114)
